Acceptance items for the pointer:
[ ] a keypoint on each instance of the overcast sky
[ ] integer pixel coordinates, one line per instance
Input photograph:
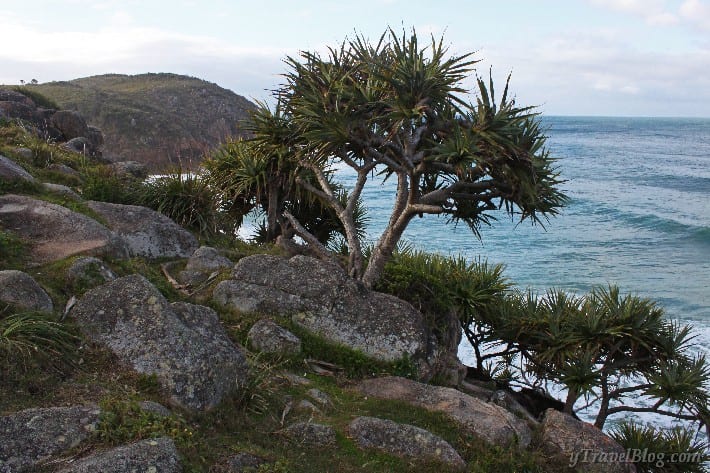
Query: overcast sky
(570, 57)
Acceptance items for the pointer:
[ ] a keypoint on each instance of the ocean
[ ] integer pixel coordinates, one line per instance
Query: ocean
(638, 217)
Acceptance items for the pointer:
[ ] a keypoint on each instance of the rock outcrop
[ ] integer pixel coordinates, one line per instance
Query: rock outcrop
(64, 126)
(21, 290)
(61, 190)
(15, 105)
(324, 300)
(53, 232)
(153, 455)
(242, 463)
(311, 434)
(202, 263)
(33, 435)
(183, 344)
(403, 440)
(130, 169)
(88, 272)
(70, 123)
(321, 398)
(268, 337)
(11, 171)
(575, 442)
(488, 421)
(146, 232)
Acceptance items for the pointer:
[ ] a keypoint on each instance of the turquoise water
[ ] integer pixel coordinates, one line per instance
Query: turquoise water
(639, 216)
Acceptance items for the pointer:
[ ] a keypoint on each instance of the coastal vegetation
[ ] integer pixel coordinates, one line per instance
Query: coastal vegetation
(394, 111)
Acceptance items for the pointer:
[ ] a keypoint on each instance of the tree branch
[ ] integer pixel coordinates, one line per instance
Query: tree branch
(314, 190)
(308, 237)
(326, 192)
(677, 415)
(438, 196)
(424, 209)
(614, 393)
(381, 157)
(349, 161)
(400, 203)
(417, 136)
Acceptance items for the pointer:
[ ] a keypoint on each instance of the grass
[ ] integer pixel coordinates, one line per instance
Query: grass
(123, 421)
(38, 98)
(250, 420)
(262, 435)
(104, 184)
(188, 200)
(45, 362)
(13, 251)
(29, 339)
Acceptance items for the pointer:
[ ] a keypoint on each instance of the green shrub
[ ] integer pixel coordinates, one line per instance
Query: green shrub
(19, 186)
(43, 153)
(35, 339)
(449, 290)
(251, 177)
(103, 184)
(257, 388)
(662, 451)
(188, 200)
(610, 347)
(38, 98)
(125, 421)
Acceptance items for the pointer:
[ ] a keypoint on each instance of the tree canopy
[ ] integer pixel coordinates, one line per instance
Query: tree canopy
(395, 109)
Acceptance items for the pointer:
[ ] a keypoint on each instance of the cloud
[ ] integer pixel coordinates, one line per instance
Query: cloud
(582, 72)
(697, 13)
(123, 48)
(654, 12)
(598, 72)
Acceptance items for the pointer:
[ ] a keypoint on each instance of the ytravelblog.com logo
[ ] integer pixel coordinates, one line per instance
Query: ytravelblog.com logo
(634, 455)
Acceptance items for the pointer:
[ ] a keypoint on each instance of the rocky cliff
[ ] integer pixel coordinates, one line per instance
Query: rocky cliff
(158, 119)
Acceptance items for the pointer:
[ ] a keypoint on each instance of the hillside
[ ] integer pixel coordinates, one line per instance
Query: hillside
(157, 119)
(127, 346)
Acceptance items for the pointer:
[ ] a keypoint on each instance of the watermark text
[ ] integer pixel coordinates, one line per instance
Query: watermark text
(634, 455)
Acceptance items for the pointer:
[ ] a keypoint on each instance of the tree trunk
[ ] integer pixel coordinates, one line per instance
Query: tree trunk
(355, 260)
(384, 249)
(572, 396)
(604, 408)
(272, 215)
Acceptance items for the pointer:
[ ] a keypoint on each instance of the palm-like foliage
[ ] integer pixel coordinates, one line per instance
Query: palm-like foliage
(253, 174)
(188, 200)
(607, 346)
(674, 451)
(397, 107)
(449, 291)
(30, 337)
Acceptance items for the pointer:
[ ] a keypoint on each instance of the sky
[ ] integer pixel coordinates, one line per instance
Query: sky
(568, 57)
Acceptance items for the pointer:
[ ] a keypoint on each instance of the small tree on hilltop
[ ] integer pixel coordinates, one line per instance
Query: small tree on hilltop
(396, 110)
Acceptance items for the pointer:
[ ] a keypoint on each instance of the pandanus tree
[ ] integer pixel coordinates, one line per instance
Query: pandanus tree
(618, 351)
(252, 175)
(397, 110)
